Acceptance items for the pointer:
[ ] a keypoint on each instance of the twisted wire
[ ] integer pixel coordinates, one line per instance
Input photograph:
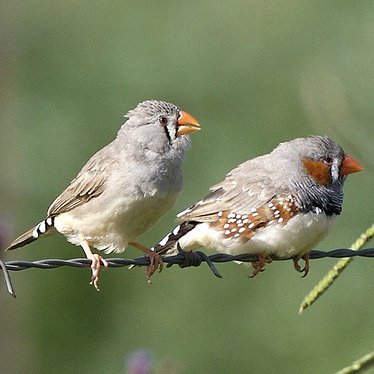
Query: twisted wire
(183, 259)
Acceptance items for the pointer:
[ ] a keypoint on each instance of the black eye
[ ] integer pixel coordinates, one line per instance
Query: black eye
(163, 120)
(328, 160)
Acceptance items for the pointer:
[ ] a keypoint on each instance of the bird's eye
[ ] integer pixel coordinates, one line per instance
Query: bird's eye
(163, 120)
(328, 160)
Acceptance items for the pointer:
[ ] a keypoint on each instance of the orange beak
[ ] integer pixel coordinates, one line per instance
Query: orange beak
(187, 124)
(349, 166)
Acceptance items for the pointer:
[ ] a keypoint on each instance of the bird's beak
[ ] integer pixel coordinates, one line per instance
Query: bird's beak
(349, 166)
(187, 124)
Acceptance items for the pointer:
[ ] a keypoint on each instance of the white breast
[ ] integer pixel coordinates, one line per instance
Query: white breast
(110, 224)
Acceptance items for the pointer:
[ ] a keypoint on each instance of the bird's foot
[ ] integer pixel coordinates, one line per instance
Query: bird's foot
(97, 260)
(300, 269)
(154, 258)
(259, 265)
(155, 263)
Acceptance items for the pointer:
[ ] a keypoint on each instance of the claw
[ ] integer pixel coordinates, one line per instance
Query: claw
(96, 268)
(154, 259)
(96, 261)
(300, 269)
(259, 265)
(155, 263)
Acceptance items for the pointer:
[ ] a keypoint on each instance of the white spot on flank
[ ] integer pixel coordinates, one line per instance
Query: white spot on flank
(244, 216)
(234, 229)
(231, 220)
(176, 230)
(251, 225)
(226, 226)
(220, 214)
(240, 224)
(246, 220)
(49, 221)
(239, 221)
(238, 216)
(227, 232)
(236, 236)
(254, 214)
(253, 210)
(277, 212)
(242, 229)
(280, 220)
(231, 215)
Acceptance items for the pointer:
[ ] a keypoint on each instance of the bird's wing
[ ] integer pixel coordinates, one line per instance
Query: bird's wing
(246, 187)
(88, 184)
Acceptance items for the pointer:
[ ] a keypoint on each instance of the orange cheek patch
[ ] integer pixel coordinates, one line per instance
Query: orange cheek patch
(318, 170)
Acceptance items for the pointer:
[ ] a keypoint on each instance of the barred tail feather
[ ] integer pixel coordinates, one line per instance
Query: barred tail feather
(168, 243)
(36, 232)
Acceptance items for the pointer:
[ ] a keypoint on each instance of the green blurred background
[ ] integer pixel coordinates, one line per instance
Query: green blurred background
(254, 73)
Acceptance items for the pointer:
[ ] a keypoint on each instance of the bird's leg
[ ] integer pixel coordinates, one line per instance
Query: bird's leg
(96, 263)
(259, 265)
(298, 268)
(155, 259)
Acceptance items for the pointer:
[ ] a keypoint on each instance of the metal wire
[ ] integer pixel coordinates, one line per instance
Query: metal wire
(183, 259)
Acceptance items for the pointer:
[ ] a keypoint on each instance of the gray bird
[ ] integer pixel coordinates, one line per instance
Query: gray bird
(125, 188)
(282, 204)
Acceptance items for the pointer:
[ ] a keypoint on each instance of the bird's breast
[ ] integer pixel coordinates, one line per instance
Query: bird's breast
(111, 223)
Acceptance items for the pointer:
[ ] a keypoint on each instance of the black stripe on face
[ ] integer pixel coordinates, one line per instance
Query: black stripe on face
(167, 134)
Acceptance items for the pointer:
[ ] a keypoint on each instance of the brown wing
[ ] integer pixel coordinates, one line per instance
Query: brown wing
(244, 223)
(88, 184)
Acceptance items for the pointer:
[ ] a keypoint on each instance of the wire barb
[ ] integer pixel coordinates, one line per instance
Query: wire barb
(183, 259)
(7, 279)
(195, 258)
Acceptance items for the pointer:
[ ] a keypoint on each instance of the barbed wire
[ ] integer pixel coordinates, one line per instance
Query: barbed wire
(182, 259)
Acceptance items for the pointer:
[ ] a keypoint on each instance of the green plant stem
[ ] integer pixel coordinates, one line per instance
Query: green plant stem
(359, 365)
(330, 277)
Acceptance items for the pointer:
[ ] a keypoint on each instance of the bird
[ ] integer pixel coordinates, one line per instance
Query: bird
(124, 188)
(279, 204)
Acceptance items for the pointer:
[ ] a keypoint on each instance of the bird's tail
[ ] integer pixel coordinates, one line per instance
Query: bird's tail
(168, 244)
(41, 229)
